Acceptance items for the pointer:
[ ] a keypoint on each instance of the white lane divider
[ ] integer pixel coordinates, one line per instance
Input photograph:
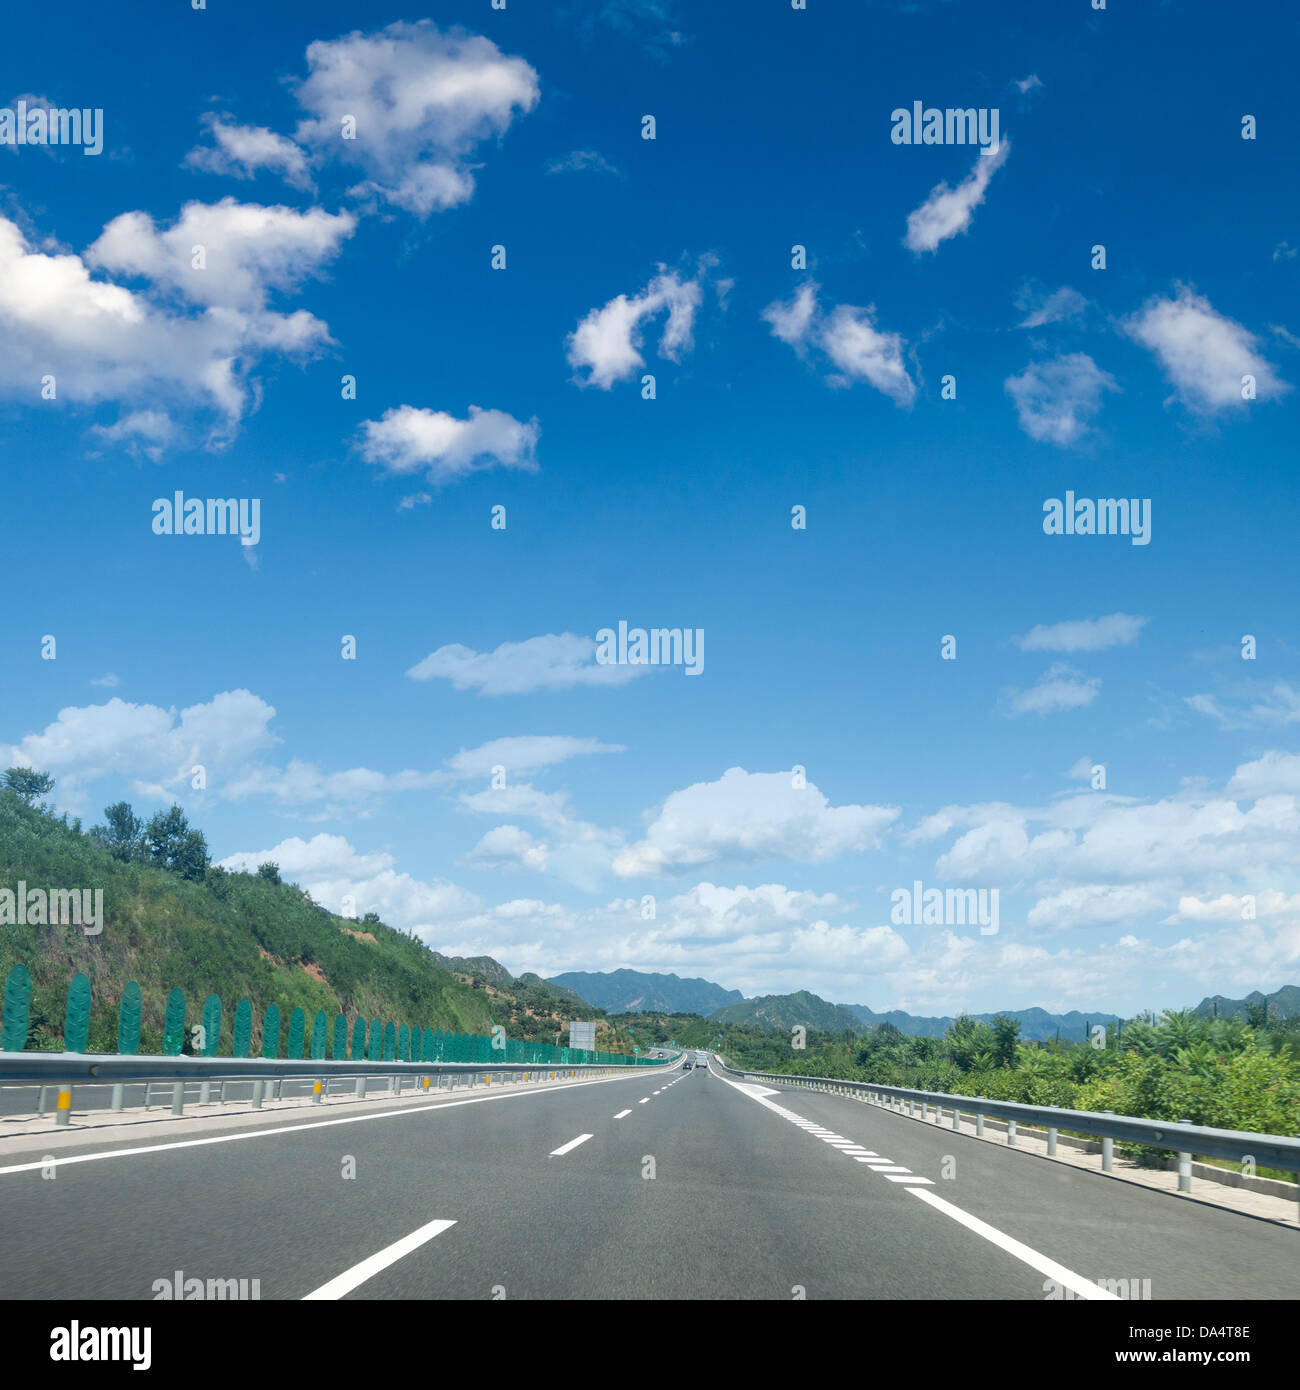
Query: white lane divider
(910, 1182)
(642, 1102)
(622, 1113)
(572, 1144)
(279, 1131)
(367, 1269)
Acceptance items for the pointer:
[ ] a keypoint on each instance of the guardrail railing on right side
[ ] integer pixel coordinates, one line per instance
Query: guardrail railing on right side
(1178, 1136)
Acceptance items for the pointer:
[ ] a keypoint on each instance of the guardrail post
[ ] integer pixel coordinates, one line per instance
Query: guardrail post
(956, 1118)
(119, 1096)
(925, 1112)
(221, 1098)
(316, 1092)
(64, 1111)
(1184, 1166)
(1107, 1149)
(361, 1088)
(979, 1125)
(257, 1094)
(1051, 1139)
(148, 1089)
(178, 1097)
(1011, 1131)
(40, 1101)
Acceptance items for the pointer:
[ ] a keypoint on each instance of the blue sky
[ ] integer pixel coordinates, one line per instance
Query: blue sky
(822, 387)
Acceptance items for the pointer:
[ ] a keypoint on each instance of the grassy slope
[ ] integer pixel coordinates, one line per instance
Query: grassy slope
(241, 936)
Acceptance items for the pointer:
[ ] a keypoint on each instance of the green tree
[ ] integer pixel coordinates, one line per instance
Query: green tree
(28, 783)
(174, 845)
(269, 871)
(1006, 1038)
(123, 836)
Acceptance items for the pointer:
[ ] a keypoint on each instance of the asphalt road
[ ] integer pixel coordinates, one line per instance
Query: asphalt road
(609, 1190)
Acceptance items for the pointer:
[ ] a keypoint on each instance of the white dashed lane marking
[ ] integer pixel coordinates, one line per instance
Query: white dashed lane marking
(572, 1144)
(911, 1182)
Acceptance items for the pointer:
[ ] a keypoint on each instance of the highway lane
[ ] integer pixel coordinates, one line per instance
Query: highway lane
(608, 1190)
(1102, 1228)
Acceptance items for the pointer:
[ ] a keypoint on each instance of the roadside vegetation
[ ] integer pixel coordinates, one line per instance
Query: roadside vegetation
(172, 918)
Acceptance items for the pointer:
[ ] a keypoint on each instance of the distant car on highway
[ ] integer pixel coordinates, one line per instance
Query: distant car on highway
(701, 1059)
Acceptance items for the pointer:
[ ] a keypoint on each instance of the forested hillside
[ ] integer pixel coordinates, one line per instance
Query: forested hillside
(173, 919)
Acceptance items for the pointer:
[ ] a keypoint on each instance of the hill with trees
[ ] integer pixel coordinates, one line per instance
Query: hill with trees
(174, 919)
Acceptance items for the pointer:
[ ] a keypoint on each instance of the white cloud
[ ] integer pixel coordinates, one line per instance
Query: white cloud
(550, 662)
(103, 341)
(1253, 705)
(148, 432)
(1083, 634)
(947, 212)
(518, 799)
(1234, 907)
(249, 250)
(747, 816)
(849, 338)
(108, 679)
(408, 439)
(1060, 687)
(240, 151)
(1094, 904)
(523, 755)
(608, 340)
(578, 160)
(145, 743)
(1027, 84)
(508, 849)
(1092, 837)
(1203, 353)
(1061, 306)
(1056, 400)
(1272, 774)
(421, 99)
(793, 322)
(332, 871)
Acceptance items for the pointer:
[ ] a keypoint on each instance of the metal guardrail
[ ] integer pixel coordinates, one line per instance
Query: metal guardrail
(63, 1070)
(1179, 1136)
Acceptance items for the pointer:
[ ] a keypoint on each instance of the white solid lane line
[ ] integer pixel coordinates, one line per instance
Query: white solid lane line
(621, 1114)
(296, 1129)
(572, 1144)
(909, 1177)
(367, 1269)
(1081, 1287)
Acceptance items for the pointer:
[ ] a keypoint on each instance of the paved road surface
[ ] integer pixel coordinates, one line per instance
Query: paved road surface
(755, 1193)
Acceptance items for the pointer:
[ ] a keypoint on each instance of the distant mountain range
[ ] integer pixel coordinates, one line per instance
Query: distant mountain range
(1036, 1025)
(1282, 1004)
(783, 1011)
(633, 991)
